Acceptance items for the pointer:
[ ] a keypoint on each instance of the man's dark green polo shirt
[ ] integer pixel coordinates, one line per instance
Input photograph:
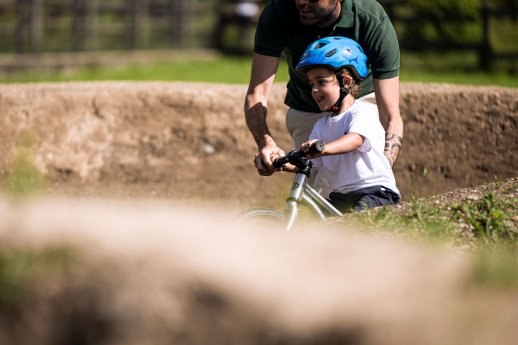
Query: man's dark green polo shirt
(279, 30)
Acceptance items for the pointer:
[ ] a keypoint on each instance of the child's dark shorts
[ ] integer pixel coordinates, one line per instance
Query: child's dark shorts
(363, 199)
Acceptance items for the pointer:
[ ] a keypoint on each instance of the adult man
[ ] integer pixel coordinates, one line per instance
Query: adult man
(289, 26)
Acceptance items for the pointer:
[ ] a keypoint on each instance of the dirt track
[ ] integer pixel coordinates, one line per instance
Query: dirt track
(189, 140)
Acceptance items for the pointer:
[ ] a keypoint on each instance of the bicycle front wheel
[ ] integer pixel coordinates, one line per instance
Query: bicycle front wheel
(264, 218)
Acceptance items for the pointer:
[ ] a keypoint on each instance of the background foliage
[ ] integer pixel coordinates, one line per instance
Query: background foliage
(444, 38)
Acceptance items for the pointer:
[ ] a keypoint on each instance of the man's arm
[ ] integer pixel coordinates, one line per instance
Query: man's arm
(263, 73)
(387, 99)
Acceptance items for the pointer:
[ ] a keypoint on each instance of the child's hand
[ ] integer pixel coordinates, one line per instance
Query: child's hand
(305, 147)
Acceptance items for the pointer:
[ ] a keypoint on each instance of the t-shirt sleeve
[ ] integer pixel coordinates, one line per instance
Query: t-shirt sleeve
(269, 39)
(383, 50)
(363, 123)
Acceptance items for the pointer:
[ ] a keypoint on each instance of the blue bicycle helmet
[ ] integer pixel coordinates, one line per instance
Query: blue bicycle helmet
(335, 52)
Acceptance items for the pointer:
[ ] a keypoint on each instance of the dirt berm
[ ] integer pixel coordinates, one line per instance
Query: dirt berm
(189, 140)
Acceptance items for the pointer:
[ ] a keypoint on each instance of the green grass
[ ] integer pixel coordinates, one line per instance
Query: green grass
(458, 68)
(218, 70)
(21, 268)
(486, 223)
(490, 219)
(23, 179)
(472, 78)
(497, 268)
(418, 219)
(486, 226)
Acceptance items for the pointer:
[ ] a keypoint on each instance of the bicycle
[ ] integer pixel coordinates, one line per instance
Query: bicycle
(301, 193)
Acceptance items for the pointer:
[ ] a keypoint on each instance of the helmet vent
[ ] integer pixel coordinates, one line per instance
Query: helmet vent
(331, 53)
(320, 45)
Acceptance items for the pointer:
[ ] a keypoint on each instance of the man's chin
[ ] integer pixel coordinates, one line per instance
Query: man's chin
(306, 20)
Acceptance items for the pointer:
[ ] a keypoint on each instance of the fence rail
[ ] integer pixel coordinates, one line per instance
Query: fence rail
(33, 26)
(36, 26)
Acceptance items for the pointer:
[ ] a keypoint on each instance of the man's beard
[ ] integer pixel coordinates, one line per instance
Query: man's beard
(322, 17)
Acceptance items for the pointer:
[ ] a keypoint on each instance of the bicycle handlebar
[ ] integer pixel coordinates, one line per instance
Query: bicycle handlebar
(294, 156)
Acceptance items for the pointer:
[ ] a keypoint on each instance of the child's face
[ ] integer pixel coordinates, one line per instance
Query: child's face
(325, 89)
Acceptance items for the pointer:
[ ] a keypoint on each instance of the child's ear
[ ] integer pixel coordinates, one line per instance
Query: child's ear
(348, 80)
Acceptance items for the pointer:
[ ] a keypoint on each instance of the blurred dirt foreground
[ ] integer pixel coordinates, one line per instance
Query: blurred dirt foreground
(136, 272)
(133, 238)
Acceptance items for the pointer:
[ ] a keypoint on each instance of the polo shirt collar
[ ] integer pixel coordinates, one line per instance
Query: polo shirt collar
(347, 16)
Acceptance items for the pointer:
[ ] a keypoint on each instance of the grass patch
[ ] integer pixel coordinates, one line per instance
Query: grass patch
(482, 221)
(417, 219)
(232, 70)
(488, 221)
(21, 268)
(23, 178)
(496, 269)
(457, 69)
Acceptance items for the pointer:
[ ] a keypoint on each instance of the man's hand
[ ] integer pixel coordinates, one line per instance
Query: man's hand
(264, 159)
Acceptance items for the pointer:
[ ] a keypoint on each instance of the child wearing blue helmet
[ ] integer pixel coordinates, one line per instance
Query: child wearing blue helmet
(353, 172)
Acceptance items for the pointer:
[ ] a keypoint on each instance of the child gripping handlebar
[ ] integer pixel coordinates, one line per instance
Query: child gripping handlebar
(298, 158)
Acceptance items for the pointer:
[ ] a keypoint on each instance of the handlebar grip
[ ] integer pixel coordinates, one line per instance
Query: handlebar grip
(316, 147)
(279, 162)
(294, 156)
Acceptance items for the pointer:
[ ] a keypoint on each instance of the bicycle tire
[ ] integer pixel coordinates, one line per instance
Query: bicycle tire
(263, 217)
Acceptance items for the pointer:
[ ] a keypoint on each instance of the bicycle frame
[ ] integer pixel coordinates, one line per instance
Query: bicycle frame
(302, 193)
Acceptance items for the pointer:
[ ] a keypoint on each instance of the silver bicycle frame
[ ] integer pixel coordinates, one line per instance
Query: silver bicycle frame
(302, 193)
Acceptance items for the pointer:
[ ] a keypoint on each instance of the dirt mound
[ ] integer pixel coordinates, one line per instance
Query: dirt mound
(92, 272)
(189, 140)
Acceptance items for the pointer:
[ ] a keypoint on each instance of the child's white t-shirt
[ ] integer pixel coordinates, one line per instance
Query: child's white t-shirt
(362, 168)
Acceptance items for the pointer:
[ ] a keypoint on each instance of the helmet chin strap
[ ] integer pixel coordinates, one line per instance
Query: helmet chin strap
(343, 93)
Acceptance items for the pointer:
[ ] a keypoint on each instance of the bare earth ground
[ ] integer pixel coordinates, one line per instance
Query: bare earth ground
(110, 253)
